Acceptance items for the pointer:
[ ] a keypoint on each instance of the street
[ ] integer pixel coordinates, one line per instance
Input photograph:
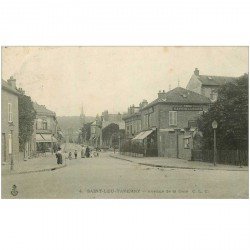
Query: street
(107, 177)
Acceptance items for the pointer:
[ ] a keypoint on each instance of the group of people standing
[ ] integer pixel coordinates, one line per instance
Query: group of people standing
(85, 153)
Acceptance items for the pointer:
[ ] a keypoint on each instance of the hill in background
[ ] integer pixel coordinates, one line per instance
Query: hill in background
(72, 123)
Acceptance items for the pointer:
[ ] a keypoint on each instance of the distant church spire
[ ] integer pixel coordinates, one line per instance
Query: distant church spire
(82, 116)
(178, 82)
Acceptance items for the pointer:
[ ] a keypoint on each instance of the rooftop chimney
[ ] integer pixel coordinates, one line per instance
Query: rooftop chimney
(162, 94)
(196, 72)
(12, 82)
(143, 103)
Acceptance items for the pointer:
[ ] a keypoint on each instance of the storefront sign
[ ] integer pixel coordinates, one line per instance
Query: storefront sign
(187, 108)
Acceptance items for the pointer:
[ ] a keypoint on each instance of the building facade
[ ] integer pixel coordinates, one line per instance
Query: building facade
(107, 119)
(46, 127)
(133, 120)
(10, 126)
(208, 85)
(168, 124)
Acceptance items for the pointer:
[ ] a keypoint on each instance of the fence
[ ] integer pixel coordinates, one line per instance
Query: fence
(137, 149)
(231, 157)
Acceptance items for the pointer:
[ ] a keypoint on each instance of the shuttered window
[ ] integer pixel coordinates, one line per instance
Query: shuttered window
(10, 116)
(173, 118)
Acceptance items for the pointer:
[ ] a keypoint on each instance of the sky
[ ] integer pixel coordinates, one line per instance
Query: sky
(112, 78)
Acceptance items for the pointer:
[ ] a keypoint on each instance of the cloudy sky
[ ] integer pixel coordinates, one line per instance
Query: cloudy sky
(112, 78)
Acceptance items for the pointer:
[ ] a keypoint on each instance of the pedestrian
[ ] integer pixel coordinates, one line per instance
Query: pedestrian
(70, 155)
(75, 154)
(59, 156)
(87, 152)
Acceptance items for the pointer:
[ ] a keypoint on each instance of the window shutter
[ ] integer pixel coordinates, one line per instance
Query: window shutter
(175, 118)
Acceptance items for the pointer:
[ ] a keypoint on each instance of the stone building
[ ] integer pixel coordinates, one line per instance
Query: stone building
(168, 124)
(46, 127)
(10, 126)
(107, 119)
(133, 121)
(208, 85)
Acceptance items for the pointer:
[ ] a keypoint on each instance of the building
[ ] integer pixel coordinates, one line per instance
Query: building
(46, 127)
(108, 118)
(10, 126)
(133, 121)
(168, 124)
(208, 85)
(96, 132)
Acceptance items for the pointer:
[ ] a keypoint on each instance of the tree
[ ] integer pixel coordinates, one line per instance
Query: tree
(86, 132)
(231, 113)
(27, 116)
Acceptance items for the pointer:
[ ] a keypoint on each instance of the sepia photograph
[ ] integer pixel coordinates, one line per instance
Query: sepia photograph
(124, 122)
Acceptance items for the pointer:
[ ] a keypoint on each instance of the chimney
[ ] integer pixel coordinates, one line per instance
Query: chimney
(162, 94)
(143, 103)
(196, 72)
(12, 82)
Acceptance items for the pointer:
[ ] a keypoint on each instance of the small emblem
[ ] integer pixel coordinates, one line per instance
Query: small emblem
(14, 191)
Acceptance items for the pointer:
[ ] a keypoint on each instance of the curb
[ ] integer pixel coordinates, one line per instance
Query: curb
(40, 170)
(165, 166)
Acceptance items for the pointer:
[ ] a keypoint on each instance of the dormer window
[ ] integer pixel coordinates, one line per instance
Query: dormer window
(213, 95)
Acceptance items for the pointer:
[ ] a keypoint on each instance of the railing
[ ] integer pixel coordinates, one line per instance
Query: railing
(231, 157)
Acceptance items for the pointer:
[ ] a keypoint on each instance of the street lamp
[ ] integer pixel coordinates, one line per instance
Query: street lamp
(11, 124)
(214, 126)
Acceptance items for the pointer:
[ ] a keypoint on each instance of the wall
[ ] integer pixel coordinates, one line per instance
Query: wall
(8, 97)
(133, 125)
(167, 140)
(194, 84)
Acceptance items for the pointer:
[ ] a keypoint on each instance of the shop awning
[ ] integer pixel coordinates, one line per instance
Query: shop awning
(143, 135)
(39, 138)
(45, 138)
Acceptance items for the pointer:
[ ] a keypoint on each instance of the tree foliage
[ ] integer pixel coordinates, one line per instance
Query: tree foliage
(27, 116)
(231, 113)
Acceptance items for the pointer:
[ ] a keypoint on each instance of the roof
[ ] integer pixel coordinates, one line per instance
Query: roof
(215, 80)
(42, 110)
(8, 88)
(181, 96)
(127, 116)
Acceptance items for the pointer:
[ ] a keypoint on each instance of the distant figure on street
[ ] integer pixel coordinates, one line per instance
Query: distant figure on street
(75, 154)
(87, 152)
(70, 156)
(59, 156)
(114, 150)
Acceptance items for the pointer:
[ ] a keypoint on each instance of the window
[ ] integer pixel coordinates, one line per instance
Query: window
(173, 118)
(213, 95)
(10, 144)
(186, 143)
(10, 112)
(45, 125)
(39, 124)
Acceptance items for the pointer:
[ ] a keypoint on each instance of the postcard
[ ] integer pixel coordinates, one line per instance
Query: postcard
(124, 122)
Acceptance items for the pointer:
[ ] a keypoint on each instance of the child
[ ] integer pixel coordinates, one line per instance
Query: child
(70, 155)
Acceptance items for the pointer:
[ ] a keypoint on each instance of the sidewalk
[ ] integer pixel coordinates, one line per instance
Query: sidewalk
(38, 164)
(178, 163)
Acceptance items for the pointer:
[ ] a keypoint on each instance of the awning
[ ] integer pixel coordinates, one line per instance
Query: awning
(39, 138)
(143, 135)
(45, 138)
(166, 130)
